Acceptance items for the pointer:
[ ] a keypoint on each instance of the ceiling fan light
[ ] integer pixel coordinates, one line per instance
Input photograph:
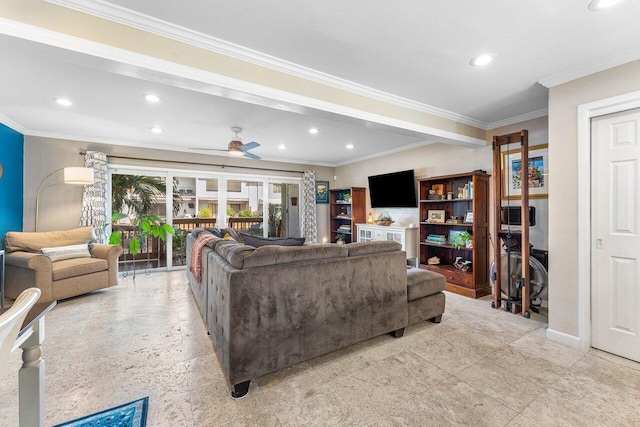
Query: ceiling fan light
(234, 148)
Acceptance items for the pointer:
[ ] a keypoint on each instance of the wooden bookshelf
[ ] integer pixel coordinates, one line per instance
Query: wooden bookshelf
(474, 283)
(347, 207)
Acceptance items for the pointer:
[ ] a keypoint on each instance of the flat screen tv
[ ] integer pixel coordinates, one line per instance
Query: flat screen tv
(393, 190)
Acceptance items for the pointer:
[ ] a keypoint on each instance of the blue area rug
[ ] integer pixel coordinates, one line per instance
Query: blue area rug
(132, 414)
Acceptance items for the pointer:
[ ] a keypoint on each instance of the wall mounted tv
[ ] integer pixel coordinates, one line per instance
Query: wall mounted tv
(393, 190)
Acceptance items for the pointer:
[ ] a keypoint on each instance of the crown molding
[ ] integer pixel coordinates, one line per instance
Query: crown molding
(13, 125)
(149, 24)
(518, 119)
(593, 67)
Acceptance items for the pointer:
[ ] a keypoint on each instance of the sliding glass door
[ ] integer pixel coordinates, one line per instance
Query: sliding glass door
(258, 205)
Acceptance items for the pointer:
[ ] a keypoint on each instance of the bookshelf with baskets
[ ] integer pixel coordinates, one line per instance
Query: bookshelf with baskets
(466, 197)
(347, 207)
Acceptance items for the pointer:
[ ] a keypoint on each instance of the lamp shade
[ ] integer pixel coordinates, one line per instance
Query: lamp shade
(78, 176)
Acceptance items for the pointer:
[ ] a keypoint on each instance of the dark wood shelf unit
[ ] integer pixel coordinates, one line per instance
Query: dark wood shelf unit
(475, 283)
(356, 208)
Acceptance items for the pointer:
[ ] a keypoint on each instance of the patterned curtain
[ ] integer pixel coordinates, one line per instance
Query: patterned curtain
(94, 197)
(309, 220)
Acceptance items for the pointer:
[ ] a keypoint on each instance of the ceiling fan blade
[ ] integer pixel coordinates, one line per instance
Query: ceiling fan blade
(206, 149)
(251, 156)
(249, 146)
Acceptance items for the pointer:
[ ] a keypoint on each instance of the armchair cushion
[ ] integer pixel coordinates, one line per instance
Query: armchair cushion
(60, 253)
(77, 267)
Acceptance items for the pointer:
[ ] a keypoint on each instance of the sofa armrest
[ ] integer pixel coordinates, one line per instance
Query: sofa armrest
(25, 270)
(108, 252)
(28, 260)
(111, 254)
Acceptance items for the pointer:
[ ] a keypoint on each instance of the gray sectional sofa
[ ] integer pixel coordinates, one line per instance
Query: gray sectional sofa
(271, 307)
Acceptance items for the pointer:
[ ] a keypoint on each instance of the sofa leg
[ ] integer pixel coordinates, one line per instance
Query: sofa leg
(240, 390)
(397, 333)
(436, 319)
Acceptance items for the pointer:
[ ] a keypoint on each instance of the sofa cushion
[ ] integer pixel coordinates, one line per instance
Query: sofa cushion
(60, 253)
(233, 252)
(34, 241)
(272, 255)
(77, 267)
(422, 283)
(367, 248)
(257, 241)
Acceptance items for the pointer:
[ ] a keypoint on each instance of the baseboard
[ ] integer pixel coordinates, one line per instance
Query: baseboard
(565, 339)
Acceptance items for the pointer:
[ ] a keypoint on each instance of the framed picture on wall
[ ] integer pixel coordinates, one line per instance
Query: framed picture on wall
(322, 192)
(537, 170)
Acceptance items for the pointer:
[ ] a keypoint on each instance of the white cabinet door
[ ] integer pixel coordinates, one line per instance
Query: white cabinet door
(365, 234)
(395, 236)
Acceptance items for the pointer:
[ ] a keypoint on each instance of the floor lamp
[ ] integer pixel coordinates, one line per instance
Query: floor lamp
(71, 175)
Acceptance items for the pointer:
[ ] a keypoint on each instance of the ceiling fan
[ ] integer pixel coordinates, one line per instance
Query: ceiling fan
(236, 147)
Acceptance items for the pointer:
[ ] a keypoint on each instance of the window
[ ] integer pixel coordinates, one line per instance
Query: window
(211, 184)
(234, 186)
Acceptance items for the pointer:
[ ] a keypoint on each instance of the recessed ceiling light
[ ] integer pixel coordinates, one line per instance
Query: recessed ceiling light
(155, 129)
(350, 146)
(152, 98)
(63, 101)
(282, 147)
(481, 60)
(313, 131)
(598, 5)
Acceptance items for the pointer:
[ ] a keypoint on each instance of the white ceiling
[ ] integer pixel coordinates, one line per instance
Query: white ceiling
(416, 49)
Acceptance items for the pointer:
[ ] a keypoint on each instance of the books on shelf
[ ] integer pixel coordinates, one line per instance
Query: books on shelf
(436, 238)
(345, 227)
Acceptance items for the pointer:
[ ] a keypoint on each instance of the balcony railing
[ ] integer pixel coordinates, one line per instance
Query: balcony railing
(191, 223)
(153, 252)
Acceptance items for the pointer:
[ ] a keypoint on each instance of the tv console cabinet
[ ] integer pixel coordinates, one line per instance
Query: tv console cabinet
(406, 236)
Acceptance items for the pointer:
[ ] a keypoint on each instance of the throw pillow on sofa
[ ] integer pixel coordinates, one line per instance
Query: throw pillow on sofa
(222, 232)
(256, 241)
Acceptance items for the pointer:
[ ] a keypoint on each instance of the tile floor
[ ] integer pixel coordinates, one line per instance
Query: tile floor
(478, 367)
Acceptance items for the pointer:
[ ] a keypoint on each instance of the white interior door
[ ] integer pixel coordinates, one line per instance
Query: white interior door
(615, 291)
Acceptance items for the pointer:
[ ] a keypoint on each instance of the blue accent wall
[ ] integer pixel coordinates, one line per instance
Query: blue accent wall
(12, 181)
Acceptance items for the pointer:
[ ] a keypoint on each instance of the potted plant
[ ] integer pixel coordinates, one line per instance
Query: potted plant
(384, 219)
(461, 240)
(341, 238)
(144, 226)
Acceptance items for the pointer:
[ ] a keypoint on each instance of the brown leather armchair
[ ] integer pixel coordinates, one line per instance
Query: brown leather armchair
(26, 267)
